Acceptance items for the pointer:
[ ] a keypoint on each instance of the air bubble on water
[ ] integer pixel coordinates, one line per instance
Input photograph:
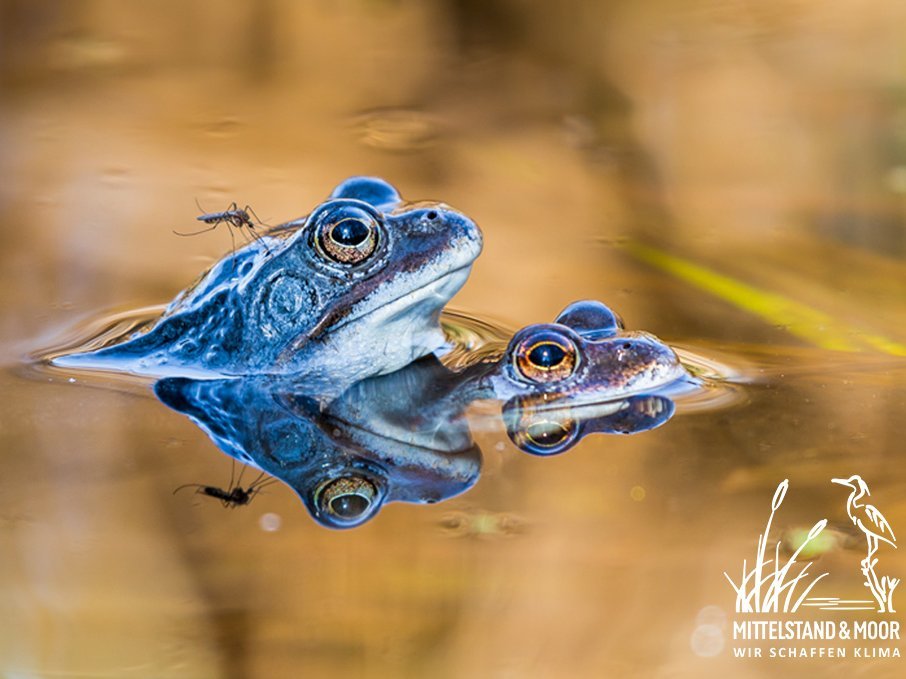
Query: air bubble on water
(712, 615)
(270, 522)
(707, 641)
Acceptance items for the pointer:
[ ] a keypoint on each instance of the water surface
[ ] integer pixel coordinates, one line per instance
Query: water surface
(728, 178)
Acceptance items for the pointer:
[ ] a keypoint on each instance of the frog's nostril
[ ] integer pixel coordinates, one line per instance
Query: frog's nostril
(432, 215)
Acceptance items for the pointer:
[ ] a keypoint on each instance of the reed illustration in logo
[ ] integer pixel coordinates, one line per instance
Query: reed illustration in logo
(770, 585)
(871, 521)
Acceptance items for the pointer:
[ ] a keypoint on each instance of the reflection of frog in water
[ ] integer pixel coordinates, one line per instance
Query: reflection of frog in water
(404, 436)
(354, 289)
(343, 468)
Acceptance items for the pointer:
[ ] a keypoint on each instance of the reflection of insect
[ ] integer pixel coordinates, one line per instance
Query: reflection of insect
(232, 496)
(233, 217)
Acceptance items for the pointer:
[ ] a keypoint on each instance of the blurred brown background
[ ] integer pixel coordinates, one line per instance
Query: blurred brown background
(763, 142)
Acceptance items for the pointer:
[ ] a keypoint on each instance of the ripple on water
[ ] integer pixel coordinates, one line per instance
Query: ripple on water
(470, 340)
(718, 381)
(103, 330)
(398, 129)
(92, 333)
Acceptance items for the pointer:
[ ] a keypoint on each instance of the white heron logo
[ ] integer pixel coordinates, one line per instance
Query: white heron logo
(774, 585)
(871, 521)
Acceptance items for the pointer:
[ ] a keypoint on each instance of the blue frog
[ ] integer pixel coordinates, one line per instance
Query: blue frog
(396, 437)
(585, 354)
(353, 289)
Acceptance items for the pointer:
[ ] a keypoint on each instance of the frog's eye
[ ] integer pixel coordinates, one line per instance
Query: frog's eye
(349, 241)
(547, 437)
(545, 356)
(548, 433)
(347, 236)
(537, 429)
(346, 501)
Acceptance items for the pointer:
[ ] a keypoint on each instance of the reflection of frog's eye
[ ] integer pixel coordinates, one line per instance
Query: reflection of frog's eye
(346, 499)
(548, 434)
(547, 356)
(349, 241)
(537, 428)
(546, 437)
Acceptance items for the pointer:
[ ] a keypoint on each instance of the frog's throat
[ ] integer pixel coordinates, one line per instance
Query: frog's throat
(338, 319)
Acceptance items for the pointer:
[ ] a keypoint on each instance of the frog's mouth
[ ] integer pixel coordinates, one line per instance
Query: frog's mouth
(427, 470)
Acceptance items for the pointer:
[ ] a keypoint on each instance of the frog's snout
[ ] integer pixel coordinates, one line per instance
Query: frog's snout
(642, 360)
(464, 234)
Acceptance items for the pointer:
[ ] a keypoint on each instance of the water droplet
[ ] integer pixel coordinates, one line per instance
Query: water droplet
(712, 615)
(270, 522)
(707, 641)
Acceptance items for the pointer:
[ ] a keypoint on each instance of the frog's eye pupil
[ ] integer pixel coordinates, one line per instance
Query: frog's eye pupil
(349, 506)
(349, 232)
(547, 355)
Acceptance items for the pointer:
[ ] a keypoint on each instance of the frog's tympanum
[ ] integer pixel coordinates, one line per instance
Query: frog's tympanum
(391, 438)
(354, 289)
